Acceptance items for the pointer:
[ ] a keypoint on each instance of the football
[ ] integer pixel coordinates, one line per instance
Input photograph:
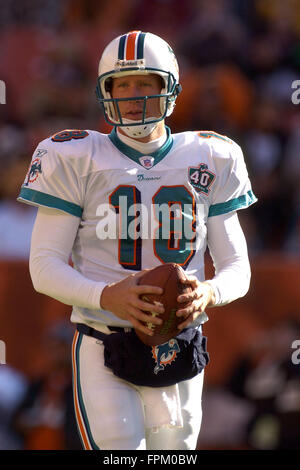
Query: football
(169, 277)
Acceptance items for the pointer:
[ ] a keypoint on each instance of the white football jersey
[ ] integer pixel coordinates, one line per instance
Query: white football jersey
(137, 211)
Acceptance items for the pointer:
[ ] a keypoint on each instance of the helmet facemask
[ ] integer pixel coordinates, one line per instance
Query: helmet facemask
(144, 126)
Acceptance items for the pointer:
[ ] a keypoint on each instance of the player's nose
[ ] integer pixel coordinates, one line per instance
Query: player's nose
(135, 90)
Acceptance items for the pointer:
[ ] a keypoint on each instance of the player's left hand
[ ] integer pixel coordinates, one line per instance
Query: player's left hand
(202, 296)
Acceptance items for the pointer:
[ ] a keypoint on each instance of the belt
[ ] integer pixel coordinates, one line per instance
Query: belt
(89, 331)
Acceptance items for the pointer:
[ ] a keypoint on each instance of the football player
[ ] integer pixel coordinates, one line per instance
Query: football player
(125, 202)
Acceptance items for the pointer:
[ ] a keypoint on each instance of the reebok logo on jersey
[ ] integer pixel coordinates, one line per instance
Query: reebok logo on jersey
(40, 153)
(201, 178)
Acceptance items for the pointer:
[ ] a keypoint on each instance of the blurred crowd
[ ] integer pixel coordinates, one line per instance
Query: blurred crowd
(258, 406)
(37, 412)
(238, 61)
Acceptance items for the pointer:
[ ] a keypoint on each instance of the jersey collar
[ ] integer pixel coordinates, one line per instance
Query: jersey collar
(135, 155)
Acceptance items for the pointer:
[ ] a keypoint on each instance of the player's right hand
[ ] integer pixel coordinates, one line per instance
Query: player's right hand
(123, 300)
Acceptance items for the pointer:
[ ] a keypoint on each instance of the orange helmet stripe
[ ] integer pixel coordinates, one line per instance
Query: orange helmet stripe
(130, 46)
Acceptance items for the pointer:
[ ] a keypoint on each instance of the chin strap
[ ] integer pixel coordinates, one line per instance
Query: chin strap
(140, 130)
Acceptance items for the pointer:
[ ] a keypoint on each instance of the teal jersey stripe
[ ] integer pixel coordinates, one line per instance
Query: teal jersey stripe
(140, 46)
(79, 393)
(121, 51)
(43, 199)
(240, 202)
(134, 155)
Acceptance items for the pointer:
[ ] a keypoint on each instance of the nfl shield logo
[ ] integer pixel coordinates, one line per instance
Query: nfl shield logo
(147, 162)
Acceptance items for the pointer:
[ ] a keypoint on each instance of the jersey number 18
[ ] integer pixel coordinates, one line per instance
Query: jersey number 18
(177, 246)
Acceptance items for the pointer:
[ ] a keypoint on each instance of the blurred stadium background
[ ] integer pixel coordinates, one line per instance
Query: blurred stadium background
(238, 60)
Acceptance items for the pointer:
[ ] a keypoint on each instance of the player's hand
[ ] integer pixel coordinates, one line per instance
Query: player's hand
(123, 300)
(202, 296)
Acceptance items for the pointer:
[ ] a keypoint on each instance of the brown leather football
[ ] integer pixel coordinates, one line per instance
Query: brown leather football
(168, 276)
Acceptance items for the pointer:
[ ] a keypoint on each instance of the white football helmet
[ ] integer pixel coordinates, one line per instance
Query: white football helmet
(137, 53)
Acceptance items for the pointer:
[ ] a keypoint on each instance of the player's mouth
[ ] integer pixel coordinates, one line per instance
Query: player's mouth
(134, 115)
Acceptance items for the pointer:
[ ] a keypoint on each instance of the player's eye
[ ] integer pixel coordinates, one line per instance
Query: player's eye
(122, 85)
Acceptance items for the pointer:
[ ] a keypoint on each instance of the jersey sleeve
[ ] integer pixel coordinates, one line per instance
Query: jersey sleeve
(233, 189)
(53, 179)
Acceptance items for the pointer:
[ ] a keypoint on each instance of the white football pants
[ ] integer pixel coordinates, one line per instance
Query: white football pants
(110, 411)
